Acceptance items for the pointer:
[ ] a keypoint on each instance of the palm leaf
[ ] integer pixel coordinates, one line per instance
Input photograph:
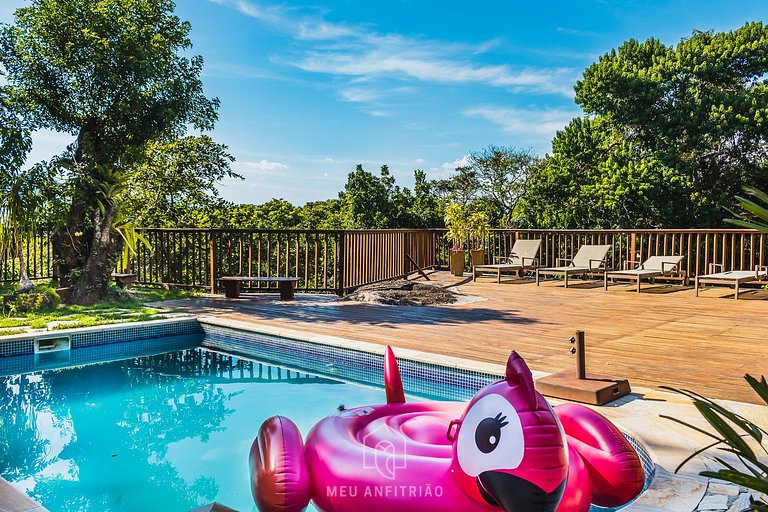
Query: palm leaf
(760, 387)
(738, 478)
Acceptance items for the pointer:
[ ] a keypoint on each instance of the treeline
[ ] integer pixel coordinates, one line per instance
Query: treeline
(669, 136)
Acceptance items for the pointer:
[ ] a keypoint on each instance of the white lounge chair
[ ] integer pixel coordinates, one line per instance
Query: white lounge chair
(524, 256)
(588, 260)
(733, 278)
(653, 267)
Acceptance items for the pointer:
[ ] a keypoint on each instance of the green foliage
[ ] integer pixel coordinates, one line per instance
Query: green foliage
(456, 224)
(501, 176)
(31, 302)
(22, 199)
(175, 179)
(737, 436)
(377, 202)
(673, 134)
(595, 178)
(15, 141)
(755, 215)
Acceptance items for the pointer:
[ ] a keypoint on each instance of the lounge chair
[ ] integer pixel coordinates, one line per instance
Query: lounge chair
(653, 267)
(731, 278)
(588, 260)
(524, 256)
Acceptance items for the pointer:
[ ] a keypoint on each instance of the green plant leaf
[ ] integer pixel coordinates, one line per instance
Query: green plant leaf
(729, 434)
(738, 478)
(760, 386)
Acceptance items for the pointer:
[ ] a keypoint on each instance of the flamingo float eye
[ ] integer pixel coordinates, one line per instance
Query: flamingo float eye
(488, 433)
(490, 437)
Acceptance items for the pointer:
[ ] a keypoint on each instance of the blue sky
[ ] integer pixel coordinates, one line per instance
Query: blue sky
(310, 89)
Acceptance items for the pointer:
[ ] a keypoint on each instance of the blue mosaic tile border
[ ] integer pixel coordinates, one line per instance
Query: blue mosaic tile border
(29, 363)
(106, 335)
(423, 379)
(132, 332)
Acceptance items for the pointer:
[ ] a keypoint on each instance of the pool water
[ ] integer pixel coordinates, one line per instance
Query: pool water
(167, 432)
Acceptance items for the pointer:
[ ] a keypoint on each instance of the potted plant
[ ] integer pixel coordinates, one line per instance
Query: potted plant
(456, 221)
(479, 227)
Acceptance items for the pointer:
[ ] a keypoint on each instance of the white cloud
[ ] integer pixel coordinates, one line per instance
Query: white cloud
(533, 124)
(419, 161)
(379, 113)
(264, 165)
(360, 52)
(460, 162)
(328, 159)
(398, 57)
(357, 95)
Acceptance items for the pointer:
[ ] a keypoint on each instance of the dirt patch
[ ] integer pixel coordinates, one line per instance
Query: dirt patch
(401, 292)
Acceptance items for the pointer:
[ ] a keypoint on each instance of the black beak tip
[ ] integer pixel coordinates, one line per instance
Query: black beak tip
(515, 494)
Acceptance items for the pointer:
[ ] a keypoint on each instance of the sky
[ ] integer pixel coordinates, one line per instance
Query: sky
(310, 89)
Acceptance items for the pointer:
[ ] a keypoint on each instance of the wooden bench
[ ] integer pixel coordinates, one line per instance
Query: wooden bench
(284, 284)
(124, 280)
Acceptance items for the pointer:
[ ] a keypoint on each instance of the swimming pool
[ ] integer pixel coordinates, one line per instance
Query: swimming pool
(166, 424)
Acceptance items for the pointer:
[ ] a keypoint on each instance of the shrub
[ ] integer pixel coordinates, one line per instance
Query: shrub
(732, 435)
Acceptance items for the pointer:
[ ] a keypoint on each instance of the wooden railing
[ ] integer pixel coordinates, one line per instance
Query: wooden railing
(336, 261)
(328, 261)
(734, 249)
(372, 256)
(37, 254)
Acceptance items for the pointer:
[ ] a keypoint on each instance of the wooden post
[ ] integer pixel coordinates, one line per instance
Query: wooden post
(340, 262)
(581, 354)
(213, 262)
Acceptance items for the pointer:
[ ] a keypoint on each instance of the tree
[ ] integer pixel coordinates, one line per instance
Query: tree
(462, 187)
(321, 215)
(15, 140)
(176, 184)
(697, 112)
(365, 200)
(110, 72)
(501, 175)
(22, 196)
(19, 191)
(595, 178)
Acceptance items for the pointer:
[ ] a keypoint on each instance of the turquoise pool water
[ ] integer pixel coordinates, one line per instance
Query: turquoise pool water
(167, 432)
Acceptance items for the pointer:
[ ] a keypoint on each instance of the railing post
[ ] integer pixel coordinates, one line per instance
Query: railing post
(340, 263)
(212, 258)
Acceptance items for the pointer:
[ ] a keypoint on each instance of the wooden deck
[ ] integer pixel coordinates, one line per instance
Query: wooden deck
(663, 336)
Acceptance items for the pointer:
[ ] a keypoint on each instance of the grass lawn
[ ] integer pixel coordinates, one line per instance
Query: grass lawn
(133, 305)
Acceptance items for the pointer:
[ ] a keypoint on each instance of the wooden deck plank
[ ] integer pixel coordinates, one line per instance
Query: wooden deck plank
(662, 336)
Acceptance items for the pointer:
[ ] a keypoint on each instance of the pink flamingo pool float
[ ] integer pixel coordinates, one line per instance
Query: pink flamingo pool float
(507, 449)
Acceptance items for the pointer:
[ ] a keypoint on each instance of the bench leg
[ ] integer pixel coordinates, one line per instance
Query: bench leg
(566, 279)
(231, 289)
(736, 295)
(605, 281)
(286, 290)
(638, 284)
(537, 277)
(498, 275)
(696, 285)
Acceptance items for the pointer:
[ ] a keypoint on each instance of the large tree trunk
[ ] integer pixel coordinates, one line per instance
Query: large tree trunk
(92, 282)
(86, 249)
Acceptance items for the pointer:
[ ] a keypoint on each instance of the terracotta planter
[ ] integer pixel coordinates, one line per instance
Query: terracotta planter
(478, 256)
(457, 263)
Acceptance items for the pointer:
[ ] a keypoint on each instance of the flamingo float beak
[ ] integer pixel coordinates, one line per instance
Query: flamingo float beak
(515, 494)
